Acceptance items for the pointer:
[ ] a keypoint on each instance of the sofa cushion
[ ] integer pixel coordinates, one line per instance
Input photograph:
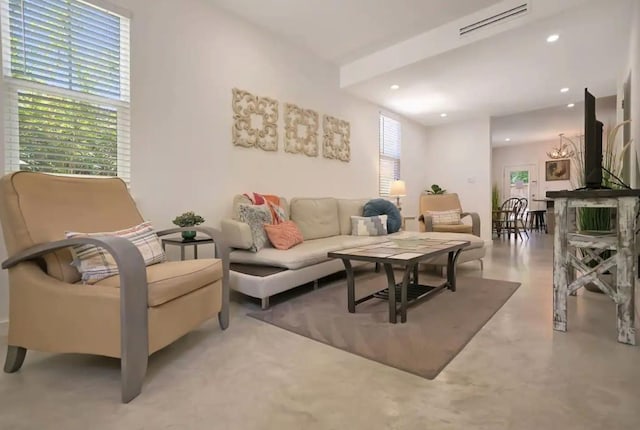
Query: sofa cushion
(348, 208)
(454, 228)
(170, 280)
(307, 253)
(316, 218)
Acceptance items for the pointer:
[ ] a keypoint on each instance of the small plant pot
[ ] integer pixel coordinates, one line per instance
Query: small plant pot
(189, 235)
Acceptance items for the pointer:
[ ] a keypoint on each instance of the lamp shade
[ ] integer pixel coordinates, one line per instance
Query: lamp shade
(398, 189)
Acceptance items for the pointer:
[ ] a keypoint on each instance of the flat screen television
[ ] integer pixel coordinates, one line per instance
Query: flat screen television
(592, 143)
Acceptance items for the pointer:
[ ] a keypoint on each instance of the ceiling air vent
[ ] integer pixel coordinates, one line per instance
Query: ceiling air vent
(507, 14)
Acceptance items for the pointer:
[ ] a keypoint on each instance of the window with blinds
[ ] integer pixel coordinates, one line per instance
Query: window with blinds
(390, 140)
(66, 78)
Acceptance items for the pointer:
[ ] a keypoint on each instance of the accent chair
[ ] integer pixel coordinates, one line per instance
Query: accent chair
(128, 316)
(441, 203)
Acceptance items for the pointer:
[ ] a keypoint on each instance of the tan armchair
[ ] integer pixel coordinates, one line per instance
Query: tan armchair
(127, 316)
(445, 202)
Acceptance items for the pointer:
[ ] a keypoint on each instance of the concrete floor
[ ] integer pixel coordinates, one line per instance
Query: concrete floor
(516, 373)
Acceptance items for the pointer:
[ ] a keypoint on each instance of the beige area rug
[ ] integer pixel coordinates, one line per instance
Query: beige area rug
(435, 332)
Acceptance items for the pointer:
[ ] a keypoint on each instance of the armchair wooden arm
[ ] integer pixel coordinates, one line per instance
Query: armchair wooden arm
(134, 337)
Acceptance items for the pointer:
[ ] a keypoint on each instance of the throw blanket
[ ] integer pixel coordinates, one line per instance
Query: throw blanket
(273, 202)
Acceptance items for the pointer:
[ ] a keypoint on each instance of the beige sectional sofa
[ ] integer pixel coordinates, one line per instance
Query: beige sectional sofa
(325, 224)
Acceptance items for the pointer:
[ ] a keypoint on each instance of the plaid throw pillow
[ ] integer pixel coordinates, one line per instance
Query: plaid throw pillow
(451, 217)
(95, 263)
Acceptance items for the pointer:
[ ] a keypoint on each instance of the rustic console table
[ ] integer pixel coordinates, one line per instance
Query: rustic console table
(579, 251)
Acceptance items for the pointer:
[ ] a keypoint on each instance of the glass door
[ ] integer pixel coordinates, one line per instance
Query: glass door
(521, 181)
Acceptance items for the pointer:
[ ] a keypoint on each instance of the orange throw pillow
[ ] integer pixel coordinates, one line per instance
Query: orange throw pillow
(284, 235)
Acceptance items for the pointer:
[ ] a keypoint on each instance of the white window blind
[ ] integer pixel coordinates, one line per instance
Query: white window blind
(390, 141)
(66, 77)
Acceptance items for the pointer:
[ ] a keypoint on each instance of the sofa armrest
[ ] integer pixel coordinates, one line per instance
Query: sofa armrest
(237, 234)
(475, 222)
(425, 222)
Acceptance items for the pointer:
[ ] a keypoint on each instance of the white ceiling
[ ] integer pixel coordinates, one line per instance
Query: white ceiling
(514, 71)
(506, 69)
(544, 125)
(342, 30)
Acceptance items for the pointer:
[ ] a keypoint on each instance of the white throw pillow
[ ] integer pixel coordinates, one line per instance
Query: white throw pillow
(450, 217)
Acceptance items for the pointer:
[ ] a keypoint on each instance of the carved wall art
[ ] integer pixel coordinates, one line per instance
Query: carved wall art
(254, 121)
(337, 134)
(300, 130)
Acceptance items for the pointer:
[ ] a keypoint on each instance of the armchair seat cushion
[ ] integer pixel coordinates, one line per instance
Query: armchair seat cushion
(170, 280)
(453, 228)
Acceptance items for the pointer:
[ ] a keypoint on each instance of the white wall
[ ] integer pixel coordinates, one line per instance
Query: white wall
(535, 153)
(186, 58)
(458, 158)
(527, 154)
(634, 69)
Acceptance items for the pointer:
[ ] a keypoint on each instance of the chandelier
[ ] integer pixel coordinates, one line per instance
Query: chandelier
(561, 151)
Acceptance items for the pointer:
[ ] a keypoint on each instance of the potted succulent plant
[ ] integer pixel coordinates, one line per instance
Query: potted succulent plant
(435, 189)
(188, 219)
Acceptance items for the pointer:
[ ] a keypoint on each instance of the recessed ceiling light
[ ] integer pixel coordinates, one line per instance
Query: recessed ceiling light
(570, 105)
(443, 115)
(508, 139)
(394, 86)
(553, 38)
(564, 90)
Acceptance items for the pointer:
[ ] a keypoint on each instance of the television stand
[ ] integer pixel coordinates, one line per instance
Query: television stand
(575, 251)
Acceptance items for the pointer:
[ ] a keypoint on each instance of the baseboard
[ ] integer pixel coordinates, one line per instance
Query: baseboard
(4, 327)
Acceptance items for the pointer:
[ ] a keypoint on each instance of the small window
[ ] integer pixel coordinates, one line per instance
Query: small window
(390, 139)
(66, 77)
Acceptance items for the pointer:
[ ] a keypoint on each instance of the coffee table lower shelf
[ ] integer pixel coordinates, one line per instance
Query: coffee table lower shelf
(415, 293)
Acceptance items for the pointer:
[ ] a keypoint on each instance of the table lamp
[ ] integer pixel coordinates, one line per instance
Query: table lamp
(398, 189)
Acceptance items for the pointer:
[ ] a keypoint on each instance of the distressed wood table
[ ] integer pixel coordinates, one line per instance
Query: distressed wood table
(592, 254)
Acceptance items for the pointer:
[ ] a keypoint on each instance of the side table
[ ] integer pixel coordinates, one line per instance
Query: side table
(594, 253)
(182, 243)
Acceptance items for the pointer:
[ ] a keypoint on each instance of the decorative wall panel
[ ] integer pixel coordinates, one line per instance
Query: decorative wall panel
(254, 121)
(300, 130)
(337, 134)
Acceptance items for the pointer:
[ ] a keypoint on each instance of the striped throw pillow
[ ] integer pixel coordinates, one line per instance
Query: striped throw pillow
(95, 263)
(450, 217)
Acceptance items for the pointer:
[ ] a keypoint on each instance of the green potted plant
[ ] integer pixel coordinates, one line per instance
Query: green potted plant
(495, 197)
(435, 189)
(188, 219)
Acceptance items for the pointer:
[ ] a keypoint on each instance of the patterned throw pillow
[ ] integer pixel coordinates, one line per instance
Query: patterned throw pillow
(384, 207)
(256, 216)
(95, 263)
(284, 235)
(369, 226)
(450, 217)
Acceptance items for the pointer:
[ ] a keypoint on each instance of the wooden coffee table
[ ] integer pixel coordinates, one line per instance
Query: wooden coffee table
(407, 253)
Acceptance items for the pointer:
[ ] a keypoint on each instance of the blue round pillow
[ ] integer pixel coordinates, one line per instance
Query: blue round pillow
(384, 207)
